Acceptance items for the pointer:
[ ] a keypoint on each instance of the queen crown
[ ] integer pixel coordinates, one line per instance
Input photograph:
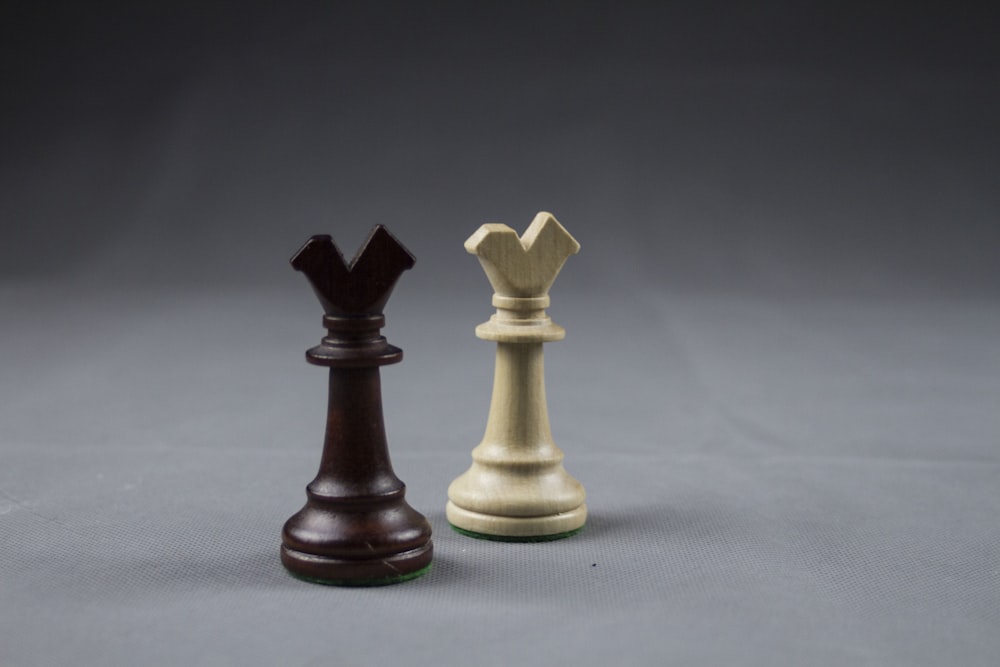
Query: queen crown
(521, 270)
(361, 287)
(526, 266)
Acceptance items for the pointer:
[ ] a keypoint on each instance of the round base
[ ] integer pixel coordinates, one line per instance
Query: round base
(361, 583)
(516, 528)
(513, 538)
(351, 572)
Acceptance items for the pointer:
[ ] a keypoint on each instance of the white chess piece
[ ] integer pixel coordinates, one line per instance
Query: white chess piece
(517, 488)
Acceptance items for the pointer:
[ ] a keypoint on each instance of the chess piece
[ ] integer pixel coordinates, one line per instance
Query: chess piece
(356, 528)
(517, 489)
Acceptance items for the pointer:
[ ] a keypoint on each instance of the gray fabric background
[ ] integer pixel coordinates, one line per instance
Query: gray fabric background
(780, 383)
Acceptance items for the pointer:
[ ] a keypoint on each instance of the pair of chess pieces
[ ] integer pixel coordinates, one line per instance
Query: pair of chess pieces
(356, 527)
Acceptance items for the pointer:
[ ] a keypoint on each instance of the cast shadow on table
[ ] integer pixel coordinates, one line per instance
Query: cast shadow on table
(601, 525)
(486, 564)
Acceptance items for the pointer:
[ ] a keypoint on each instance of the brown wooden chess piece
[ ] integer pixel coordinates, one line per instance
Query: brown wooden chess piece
(356, 528)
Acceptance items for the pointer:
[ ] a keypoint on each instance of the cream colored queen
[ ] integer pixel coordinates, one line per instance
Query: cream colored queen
(517, 488)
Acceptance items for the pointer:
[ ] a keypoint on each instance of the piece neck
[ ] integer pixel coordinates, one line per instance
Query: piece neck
(520, 320)
(354, 342)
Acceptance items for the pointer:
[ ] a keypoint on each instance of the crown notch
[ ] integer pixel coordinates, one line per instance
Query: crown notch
(361, 287)
(523, 266)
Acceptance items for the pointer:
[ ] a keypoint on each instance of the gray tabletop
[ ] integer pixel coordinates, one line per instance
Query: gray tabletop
(779, 386)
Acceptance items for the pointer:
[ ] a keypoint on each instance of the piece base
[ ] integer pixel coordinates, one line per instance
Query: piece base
(515, 538)
(343, 572)
(364, 583)
(516, 528)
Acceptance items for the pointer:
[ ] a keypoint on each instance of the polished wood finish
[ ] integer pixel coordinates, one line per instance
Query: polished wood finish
(356, 527)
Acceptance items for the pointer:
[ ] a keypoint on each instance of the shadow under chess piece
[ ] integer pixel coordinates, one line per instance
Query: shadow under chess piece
(356, 528)
(517, 489)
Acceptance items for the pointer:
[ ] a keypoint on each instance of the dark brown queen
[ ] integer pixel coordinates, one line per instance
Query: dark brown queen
(356, 528)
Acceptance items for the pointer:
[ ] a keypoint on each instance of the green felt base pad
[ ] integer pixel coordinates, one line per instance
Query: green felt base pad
(361, 583)
(515, 538)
